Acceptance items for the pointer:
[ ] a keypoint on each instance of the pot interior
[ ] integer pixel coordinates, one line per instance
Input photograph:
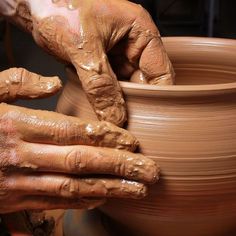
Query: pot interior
(195, 75)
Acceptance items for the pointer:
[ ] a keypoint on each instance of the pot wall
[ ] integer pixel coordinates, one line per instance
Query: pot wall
(191, 132)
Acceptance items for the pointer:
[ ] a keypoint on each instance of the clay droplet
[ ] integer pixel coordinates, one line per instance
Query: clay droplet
(73, 4)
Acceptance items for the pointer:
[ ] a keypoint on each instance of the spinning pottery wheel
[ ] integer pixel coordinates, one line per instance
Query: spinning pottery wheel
(190, 130)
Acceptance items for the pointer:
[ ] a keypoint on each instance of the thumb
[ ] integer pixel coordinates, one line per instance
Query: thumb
(100, 84)
(85, 50)
(20, 83)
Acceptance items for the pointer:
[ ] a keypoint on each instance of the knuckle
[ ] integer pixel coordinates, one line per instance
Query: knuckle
(16, 75)
(74, 161)
(144, 13)
(9, 157)
(145, 24)
(13, 79)
(68, 188)
(7, 119)
(99, 85)
(53, 42)
(9, 160)
(59, 131)
(141, 12)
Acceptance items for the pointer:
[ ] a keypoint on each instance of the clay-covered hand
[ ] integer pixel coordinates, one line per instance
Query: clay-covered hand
(51, 161)
(103, 39)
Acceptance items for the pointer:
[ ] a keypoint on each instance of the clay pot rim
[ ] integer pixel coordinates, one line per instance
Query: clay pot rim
(177, 90)
(180, 90)
(185, 90)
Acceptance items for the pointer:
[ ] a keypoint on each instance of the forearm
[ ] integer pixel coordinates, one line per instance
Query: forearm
(24, 12)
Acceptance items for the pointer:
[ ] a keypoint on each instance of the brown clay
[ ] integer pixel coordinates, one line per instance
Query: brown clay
(44, 126)
(40, 151)
(85, 33)
(190, 128)
(20, 83)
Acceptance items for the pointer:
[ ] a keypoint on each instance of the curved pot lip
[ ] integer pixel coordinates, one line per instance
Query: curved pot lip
(181, 90)
(177, 90)
(196, 40)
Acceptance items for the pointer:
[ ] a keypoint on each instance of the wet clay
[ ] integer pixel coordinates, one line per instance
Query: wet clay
(73, 32)
(37, 172)
(37, 126)
(189, 129)
(70, 4)
(42, 126)
(99, 187)
(20, 83)
(26, 135)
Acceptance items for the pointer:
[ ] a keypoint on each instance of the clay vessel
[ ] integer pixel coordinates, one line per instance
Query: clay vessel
(190, 128)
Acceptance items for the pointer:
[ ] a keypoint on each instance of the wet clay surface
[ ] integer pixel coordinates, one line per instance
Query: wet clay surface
(102, 40)
(51, 162)
(42, 126)
(189, 129)
(20, 83)
(72, 34)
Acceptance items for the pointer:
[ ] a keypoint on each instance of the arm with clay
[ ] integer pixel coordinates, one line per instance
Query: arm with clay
(48, 160)
(103, 39)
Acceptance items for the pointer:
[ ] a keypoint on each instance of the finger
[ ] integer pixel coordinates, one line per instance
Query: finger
(54, 128)
(72, 187)
(146, 51)
(89, 160)
(87, 54)
(98, 79)
(101, 87)
(155, 64)
(138, 77)
(20, 83)
(51, 203)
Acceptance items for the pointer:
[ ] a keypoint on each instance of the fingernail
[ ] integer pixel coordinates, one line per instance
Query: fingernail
(137, 191)
(152, 172)
(52, 84)
(127, 141)
(132, 189)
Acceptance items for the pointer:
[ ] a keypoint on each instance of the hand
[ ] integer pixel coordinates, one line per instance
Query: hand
(50, 161)
(99, 37)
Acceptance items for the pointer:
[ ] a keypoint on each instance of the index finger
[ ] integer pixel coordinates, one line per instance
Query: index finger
(84, 160)
(146, 52)
(37, 126)
(155, 65)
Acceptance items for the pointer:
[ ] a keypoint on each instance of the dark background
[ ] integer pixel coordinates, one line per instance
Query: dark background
(210, 18)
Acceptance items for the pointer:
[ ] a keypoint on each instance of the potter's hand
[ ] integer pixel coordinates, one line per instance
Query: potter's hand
(87, 33)
(50, 161)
